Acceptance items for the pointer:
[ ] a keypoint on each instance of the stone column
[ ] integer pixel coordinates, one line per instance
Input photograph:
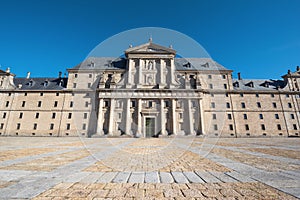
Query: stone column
(111, 117)
(140, 74)
(139, 123)
(162, 117)
(172, 73)
(128, 118)
(129, 74)
(100, 118)
(201, 117)
(190, 116)
(174, 129)
(162, 81)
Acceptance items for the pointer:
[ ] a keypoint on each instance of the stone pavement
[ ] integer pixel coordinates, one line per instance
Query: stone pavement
(164, 168)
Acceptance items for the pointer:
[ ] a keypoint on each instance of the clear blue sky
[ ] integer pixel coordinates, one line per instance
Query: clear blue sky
(259, 38)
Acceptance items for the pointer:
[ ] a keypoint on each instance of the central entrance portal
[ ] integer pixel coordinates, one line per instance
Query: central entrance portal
(150, 127)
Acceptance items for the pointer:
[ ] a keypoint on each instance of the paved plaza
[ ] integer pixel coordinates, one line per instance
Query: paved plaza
(164, 168)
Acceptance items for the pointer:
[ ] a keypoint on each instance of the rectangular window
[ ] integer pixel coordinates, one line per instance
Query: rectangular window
(53, 115)
(34, 126)
(226, 95)
(215, 127)
(23, 103)
(75, 75)
(51, 126)
(41, 94)
(84, 115)
(74, 85)
(37, 115)
(106, 103)
(18, 126)
(258, 104)
(263, 127)
(272, 95)
(213, 105)
(180, 115)
(292, 116)
(57, 94)
(245, 116)
(227, 105)
(276, 116)
(83, 126)
(90, 75)
(86, 104)
(89, 85)
(69, 115)
(21, 115)
(7, 104)
(68, 126)
(261, 116)
(279, 127)
(150, 104)
(257, 95)
(224, 76)
(295, 126)
(214, 116)
(211, 86)
(246, 127)
(39, 103)
(25, 94)
(274, 105)
(243, 105)
(225, 86)
(1, 125)
(231, 127)
(71, 104)
(167, 104)
(287, 95)
(133, 104)
(241, 95)
(289, 105)
(212, 95)
(55, 103)
(209, 76)
(4, 115)
(229, 116)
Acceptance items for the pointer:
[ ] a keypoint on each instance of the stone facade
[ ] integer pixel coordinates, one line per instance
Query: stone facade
(149, 93)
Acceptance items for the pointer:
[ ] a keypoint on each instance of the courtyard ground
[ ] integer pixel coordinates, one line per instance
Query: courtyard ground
(158, 168)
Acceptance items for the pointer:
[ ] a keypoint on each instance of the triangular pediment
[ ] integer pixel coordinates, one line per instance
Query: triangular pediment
(150, 48)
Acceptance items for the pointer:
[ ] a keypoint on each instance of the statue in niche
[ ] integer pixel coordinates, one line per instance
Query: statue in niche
(150, 65)
(150, 80)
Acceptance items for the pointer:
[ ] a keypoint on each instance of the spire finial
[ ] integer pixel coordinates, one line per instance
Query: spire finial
(150, 39)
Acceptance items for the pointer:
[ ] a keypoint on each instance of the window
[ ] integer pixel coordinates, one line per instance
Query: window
(39, 103)
(37, 115)
(20, 115)
(279, 127)
(276, 116)
(229, 116)
(224, 76)
(215, 127)
(83, 126)
(74, 85)
(243, 105)
(25, 94)
(213, 105)
(9, 94)
(167, 104)
(272, 95)
(75, 75)
(261, 116)
(69, 115)
(18, 126)
(133, 103)
(226, 95)
(86, 104)
(245, 116)
(71, 104)
(23, 103)
(41, 94)
(289, 105)
(106, 103)
(225, 86)
(34, 126)
(227, 105)
(287, 95)
(257, 95)
(90, 75)
(274, 105)
(150, 104)
(212, 95)
(7, 104)
(295, 126)
(263, 127)
(4, 115)
(68, 126)
(57, 94)
(51, 126)
(214, 116)
(180, 115)
(89, 85)
(246, 127)
(231, 127)
(55, 103)
(1, 125)
(84, 115)
(292, 116)
(53, 115)
(241, 95)
(211, 86)
(209, 76)
(258, 104)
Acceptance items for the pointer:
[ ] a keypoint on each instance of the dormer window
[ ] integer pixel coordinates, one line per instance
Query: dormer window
(187, 65)
(46, 83)
(30, 83)
(236, 84)
(250, 84)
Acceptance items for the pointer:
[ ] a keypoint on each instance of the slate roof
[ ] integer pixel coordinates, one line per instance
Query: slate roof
(111, 63)
(41, 83)
(258, 84)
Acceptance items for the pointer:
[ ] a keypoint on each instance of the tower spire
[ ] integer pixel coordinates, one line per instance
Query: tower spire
(150, 39)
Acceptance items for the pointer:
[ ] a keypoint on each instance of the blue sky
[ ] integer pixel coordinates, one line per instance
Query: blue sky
(259, 38)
